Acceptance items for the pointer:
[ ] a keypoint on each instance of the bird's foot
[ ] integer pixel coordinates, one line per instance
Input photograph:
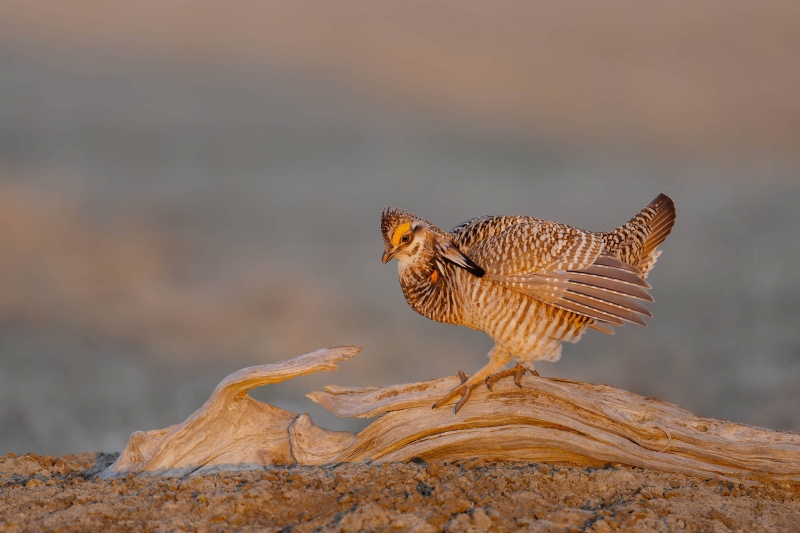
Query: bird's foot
(518, 371)
(465, 389)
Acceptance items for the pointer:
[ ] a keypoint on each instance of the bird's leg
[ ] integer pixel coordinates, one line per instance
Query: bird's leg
(498, 359)
(518, 371)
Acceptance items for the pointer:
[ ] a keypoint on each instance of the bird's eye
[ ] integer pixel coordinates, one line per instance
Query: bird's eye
(405, 238)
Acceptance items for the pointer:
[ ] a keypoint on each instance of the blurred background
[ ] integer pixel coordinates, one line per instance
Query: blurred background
(188, 188)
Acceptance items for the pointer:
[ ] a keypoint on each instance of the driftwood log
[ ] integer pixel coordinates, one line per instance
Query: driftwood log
(549, 420)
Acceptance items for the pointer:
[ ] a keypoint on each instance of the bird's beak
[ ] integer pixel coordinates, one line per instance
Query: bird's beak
(387, 256)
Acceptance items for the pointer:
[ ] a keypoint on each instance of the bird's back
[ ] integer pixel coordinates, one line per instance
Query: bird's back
(635, 242)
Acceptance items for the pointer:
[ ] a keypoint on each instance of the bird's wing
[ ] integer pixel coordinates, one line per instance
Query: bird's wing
(565, 267)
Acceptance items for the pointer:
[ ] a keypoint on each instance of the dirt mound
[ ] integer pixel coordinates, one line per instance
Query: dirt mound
(60, 493)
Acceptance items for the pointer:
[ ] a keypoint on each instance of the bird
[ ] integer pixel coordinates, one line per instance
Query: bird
(529, 284)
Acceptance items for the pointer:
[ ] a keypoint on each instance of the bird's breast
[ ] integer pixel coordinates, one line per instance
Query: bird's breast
(435, 295)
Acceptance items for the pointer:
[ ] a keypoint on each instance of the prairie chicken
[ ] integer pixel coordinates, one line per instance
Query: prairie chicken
(528, 283)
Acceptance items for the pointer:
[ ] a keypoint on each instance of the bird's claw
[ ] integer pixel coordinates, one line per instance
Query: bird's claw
(518, 371)
(464, 389)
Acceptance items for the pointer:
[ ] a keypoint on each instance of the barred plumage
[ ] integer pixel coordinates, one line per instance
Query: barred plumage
(527, 283)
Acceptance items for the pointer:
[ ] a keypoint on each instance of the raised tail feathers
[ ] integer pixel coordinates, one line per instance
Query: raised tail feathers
(636, 242)
(661, 225)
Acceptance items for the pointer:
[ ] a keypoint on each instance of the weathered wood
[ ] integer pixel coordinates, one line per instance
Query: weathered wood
(231, 430)
(546, 420)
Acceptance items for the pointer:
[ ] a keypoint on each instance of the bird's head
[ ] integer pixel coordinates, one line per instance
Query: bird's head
(404, 235)
(412, 240)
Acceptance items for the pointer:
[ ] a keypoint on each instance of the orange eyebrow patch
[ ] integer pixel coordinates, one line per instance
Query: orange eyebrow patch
(399, 232)
(435, 276)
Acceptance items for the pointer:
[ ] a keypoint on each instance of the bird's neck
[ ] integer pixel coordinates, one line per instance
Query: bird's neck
(427, 290)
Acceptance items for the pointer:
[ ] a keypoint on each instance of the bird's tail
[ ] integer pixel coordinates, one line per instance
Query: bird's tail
(636, 242)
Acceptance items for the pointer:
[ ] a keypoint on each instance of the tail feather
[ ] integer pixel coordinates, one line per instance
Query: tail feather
(636, 242)
(662, 223)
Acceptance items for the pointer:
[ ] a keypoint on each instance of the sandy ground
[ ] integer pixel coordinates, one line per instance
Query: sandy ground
(49, 493)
